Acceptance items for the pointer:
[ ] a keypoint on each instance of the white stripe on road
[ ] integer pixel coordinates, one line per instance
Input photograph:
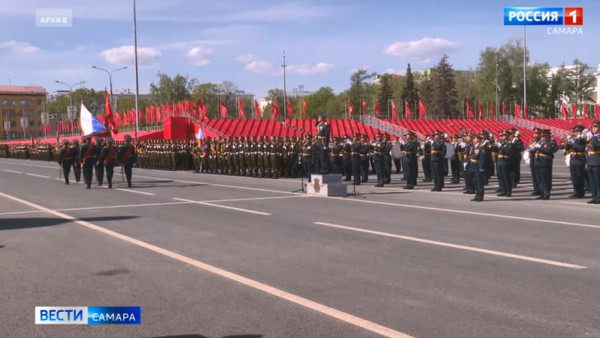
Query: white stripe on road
(34, 175)
(12, 171)
(307, 303)
(224, 207)
(256, 198)
(19, 212)
(464, 212)
(136, 192)
(455, 246)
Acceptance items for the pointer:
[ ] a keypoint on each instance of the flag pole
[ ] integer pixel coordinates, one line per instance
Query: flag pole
(137, 89)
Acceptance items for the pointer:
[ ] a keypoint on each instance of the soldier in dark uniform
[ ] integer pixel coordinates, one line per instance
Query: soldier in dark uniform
(365, 151)
(455, 160)
(477, 165)
(387, 159)
(99, 166)
(322, 144)
(532, 150)
(593, 161)
(108, 158)
(275, 151)
(65, 159)
(127, 157)
(307, 157)
(517, 147)
(347, 159)
(355, 148)
(378, 150)
(505, 163)
(426, 161)
(87, 159)
(76, 163)
(410, 163)
(544, 156)
(466, 162)
(336, 156)
(438, 152)
(575, 147)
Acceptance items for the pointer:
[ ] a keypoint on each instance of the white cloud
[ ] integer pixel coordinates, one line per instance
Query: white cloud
(260, 67)
(19, 47)
(199, 55)
(320, 67)
(83, 47)
(124, 55)
(421, 51)
(246, 58)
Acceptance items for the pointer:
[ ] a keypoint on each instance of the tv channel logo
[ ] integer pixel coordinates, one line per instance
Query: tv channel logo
(546, 16)
(53, 18)
(88, 315)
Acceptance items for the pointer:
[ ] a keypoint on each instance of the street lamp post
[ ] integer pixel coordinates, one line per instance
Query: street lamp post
(71, 111)
(110, 73)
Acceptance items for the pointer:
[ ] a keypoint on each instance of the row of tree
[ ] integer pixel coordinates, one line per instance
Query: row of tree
(445, 92)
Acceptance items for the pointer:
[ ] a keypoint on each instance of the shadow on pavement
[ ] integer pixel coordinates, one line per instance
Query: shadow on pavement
(38, 222)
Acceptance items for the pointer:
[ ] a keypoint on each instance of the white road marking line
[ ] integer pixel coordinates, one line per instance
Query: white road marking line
(136, 191)
(20, 212)
(455, 246)
(217, 185)
(256, 199)
(307, 303)
(28, 165)
(464, 212)
(224, 207)
(35, 175)
(13, 171)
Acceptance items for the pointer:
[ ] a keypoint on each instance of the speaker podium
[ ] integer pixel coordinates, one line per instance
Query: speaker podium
(326, 185)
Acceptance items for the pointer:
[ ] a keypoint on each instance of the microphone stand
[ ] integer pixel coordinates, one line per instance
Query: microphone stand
(301, 177)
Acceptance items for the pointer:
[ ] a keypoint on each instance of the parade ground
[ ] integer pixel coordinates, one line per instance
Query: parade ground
(222, 256)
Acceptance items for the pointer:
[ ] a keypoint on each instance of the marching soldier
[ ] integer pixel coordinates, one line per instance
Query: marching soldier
(466, 162)
(98, 166)
(76, 163)
(307, 157)
(532, 149)
(197, 156)
(107, 158)
(347, 159)
(127, 157)
(336, 156)
(426, 161)
(87, 159)
(387, 159)
(365, 150)
(455, 160)
(593, 151)
(356, 158)
(65, 159)
(517, 147)
(543, 163)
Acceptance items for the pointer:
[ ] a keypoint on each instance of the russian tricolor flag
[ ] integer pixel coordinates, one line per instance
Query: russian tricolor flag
(89, 124)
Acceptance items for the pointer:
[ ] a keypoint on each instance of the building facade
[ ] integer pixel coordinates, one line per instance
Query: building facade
(20, 111)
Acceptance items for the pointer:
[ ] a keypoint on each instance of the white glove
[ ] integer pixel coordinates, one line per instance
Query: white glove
(538, 146)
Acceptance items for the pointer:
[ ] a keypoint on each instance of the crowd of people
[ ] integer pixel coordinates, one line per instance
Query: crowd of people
(471, 156)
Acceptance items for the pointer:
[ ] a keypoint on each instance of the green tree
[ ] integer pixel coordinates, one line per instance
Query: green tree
(445, 96)
(318, 101)
(581, 82)
(170, 90)
(359, 88)
(410, 92)
(426, 89)
(467, 90)
(385, 94)
(209, 94)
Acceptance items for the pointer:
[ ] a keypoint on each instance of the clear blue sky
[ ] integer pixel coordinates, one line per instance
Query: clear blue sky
(242, 41)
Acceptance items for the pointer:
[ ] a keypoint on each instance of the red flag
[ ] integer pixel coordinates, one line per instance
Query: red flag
(364, 107)
(188, 107)
(350, 109)
(223, 110)
(275, 108)
(480, 111)
(407, 108)
(195, 112)
(202, 108)
(573, 110)
(517, 111)
(158, 116)
(492, 111)
(565, 113)
(469, 111)
(109, 115)
(241, 108)
(504, 113)
(303, 109)
(290, 112)
(597, 111)
(377, 109)
(422, 109)
(585, 113)
(256, 110)
(394, 112)
(147, 114)
(525, 112)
